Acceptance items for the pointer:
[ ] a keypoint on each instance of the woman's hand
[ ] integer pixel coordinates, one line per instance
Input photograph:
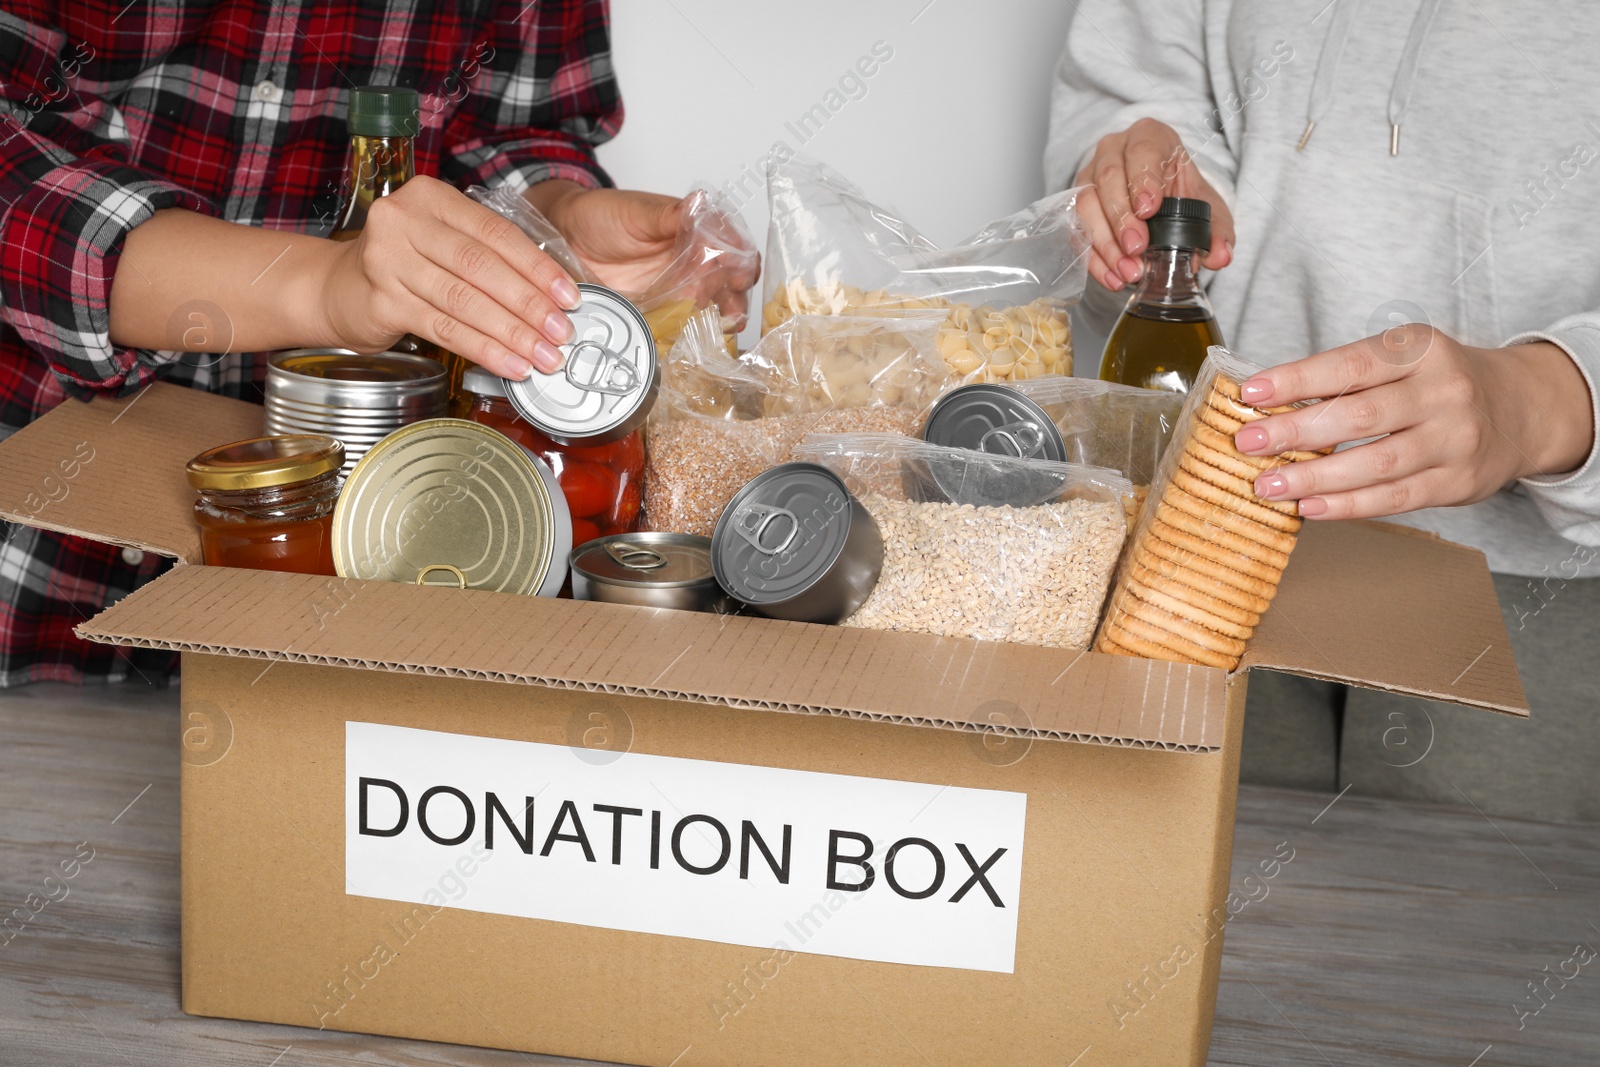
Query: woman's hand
(434, 263)
(1130, 174)
(1454, 425)
(629, 238)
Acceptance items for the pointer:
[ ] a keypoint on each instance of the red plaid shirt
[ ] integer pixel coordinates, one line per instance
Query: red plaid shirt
(110, 111)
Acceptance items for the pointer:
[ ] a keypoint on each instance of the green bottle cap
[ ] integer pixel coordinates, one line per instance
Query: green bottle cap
(385, 111)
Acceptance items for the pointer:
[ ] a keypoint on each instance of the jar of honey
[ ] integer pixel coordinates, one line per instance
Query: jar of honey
(267, 503)
(603, 484)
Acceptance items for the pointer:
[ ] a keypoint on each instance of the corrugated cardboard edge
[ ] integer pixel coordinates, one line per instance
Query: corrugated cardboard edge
(754, 664)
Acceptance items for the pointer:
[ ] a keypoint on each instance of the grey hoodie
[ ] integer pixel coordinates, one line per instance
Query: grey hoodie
(1452, 175)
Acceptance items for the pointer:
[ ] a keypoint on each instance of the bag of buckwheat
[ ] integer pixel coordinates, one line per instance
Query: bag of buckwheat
(719, 421)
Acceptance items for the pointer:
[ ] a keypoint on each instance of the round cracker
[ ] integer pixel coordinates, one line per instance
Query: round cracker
(1244, 592)
(1237, 485)
(1238, 532)
(1230, 461)
(1127, 644)
(1200, 596)
(1210, 436)
(1203, 552)
(1183, 624)
(1227, 492)
(1140, 634)
(1166, 601)
(1222, 423)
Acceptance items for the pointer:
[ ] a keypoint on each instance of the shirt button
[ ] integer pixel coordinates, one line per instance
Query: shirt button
(269, 92)
(132, 557)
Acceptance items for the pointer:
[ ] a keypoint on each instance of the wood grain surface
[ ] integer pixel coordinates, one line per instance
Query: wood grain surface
(1397, 934)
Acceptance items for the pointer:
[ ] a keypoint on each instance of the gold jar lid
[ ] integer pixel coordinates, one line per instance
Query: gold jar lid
(263, 462)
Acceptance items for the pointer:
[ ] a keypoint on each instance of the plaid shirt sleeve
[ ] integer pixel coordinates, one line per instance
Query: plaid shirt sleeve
(68, 197)
(537, 94)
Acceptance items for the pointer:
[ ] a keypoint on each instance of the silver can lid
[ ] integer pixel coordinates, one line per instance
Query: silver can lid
(782, 533)
(994, 419)
(609, 381)
(1001, 422)
(646, 559)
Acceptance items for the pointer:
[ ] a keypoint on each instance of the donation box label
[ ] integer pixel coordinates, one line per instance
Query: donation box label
(864, 868)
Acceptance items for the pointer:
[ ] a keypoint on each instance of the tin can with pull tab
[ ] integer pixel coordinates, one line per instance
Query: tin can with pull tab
(1002, 422)
(795, 544)
(649, 570)
(609, 381)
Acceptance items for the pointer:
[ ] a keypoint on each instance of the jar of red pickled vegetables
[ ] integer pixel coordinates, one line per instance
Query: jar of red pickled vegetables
(267, 503)
(603, 484)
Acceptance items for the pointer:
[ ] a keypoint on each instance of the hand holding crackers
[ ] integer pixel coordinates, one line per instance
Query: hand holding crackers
(1205, 560)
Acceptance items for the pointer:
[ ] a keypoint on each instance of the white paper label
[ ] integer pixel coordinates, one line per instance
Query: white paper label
(865, 868)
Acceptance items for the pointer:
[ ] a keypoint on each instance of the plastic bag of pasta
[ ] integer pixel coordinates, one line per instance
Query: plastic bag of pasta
(1000, 296)
(978, 545)
(714, 262)
(720, 421)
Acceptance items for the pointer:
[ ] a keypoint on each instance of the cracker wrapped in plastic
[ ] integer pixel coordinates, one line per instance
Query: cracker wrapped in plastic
(720, 421)
(978, 545)
(1207, 554)
(1000, 297)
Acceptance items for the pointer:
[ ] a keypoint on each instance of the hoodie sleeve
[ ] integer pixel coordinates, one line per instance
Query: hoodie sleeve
(1570, 503)
(1126, 60)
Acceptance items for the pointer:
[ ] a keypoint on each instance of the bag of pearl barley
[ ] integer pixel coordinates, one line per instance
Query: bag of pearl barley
(720, 421)
(1000, 297)
(981, 545)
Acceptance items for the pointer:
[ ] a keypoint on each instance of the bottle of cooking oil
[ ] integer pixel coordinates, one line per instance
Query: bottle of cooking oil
(384, 122)
(1162, 336)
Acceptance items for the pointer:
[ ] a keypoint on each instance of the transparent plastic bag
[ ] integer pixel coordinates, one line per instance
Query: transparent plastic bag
(1106, 424)
(1206, 555)
(528, 218)
(714, 262)
(1001, 295)
(1032, 574)
(720, 421)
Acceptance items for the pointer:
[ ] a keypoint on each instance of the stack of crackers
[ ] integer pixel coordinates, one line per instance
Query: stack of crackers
(1206, 564)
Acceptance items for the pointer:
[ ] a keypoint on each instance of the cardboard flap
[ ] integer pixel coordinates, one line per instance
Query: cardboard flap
(1387, 607)
(112, 470)
(1018, 690)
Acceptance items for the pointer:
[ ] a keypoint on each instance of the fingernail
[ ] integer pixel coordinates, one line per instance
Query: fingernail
(1256, 389)
(1131, 268)
(1311, 507)
(547, 357)
(1130, 241)
(1251, 439)
(517, 368)
(1144, 204)
(1112, 282)
(566, 293)
(1271, 485)
(558, 327)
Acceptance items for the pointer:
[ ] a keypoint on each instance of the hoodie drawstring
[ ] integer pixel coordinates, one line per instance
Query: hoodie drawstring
(1324, 83)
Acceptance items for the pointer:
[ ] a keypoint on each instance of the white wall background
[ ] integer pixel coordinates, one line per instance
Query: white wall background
(950, 130)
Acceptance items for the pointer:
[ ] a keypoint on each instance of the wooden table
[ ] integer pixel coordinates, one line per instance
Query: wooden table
(1398, 934)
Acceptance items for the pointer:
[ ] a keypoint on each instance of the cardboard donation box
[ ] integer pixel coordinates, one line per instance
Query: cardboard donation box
(666, 838)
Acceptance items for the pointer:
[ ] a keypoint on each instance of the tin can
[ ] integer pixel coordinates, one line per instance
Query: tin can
(795, 544)
(649, 570)
(354, 398)
(447, 501)
(999, 421)
(608, 383)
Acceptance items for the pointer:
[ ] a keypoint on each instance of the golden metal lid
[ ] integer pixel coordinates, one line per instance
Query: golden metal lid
(447, 496)
(263, 462)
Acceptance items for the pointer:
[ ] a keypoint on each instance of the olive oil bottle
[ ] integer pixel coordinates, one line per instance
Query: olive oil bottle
(1161, 338)
(384, 122)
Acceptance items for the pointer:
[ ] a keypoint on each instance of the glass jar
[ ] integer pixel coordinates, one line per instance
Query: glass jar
(267, 503)
(603, 484)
